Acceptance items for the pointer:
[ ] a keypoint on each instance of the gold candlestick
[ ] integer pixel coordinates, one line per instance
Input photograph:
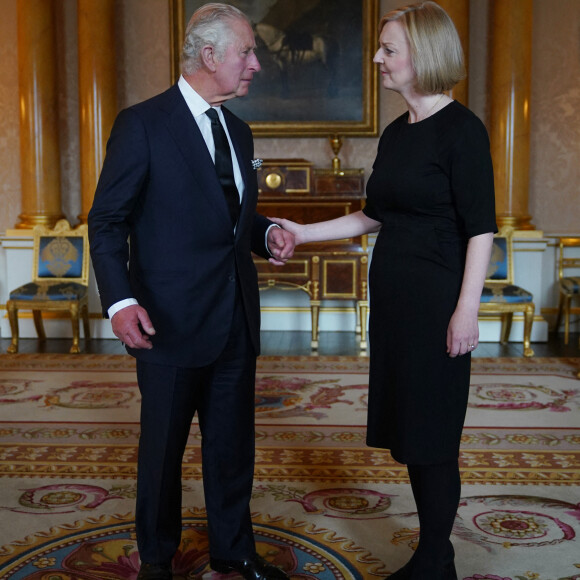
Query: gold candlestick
(336, 144)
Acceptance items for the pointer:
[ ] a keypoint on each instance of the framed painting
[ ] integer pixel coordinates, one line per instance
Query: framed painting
(317, 76)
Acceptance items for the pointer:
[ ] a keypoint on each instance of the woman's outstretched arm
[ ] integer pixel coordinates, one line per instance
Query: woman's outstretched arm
(348, 226)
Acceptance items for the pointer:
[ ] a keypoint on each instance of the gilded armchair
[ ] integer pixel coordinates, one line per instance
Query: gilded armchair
(60, 274)
(501, 296)
(568, 280)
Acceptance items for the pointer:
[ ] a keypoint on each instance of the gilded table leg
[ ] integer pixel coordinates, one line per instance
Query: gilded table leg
(315, 312)
(363, 310)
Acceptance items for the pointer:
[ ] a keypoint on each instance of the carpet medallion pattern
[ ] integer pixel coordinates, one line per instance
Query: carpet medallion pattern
(324, 505)
(105, 548)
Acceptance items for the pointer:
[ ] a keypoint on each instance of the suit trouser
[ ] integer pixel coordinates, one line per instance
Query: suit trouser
(222, 393)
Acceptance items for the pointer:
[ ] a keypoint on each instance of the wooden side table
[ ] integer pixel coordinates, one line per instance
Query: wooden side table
(335, 270)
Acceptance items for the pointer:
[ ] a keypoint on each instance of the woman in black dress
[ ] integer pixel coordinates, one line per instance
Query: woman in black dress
(431, 198)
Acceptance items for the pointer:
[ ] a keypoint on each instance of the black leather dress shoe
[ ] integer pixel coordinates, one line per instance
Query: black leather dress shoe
(255, 568)
(155, 572)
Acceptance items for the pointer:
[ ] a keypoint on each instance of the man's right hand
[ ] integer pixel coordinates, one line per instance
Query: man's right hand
(297, 230)
(132, 326)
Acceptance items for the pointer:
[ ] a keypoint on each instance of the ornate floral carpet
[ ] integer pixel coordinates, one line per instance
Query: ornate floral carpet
(325, 506)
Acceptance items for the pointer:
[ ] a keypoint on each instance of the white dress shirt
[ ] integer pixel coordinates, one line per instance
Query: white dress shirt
(198, 107)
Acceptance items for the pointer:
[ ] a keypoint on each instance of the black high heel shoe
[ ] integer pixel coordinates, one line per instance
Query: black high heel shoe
(450, 572)
(406, 573)
(403, 573)
(412, 571)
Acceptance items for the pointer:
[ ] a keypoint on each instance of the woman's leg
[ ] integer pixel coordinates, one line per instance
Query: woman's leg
(436, 489)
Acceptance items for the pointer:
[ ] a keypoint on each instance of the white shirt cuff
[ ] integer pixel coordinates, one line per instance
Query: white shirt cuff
(120, 305)
(266, 241)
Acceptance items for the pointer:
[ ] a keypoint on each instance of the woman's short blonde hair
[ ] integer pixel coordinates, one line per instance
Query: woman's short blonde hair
(436, 51)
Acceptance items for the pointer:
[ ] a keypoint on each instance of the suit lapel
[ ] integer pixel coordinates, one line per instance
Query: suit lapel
(189, 140)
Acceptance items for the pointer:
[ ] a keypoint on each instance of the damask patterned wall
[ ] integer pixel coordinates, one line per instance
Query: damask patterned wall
(143, 70)
(555, 116)
(9, 127)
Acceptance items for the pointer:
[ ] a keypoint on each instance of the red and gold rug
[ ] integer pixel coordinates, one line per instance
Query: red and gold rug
(325, 505)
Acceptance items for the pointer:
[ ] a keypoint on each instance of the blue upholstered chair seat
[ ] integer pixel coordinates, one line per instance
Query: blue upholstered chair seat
(570, 285)
(60, 281)
(49, 291)
(506, 293)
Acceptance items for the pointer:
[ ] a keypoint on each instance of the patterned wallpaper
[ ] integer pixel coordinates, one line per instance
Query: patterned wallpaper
(9, 123)
(143, 70)
(68, 108)
(555, 117)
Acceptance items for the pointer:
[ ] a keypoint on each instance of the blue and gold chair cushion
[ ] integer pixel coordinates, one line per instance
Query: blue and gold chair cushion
(505, 293)
(498, 264)
(49, 291)
(60, 257)
(570, 285)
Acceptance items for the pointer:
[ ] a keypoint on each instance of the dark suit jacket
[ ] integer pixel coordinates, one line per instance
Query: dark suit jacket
(159, 189)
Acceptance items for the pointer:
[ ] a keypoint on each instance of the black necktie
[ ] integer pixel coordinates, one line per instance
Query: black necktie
(223, 165)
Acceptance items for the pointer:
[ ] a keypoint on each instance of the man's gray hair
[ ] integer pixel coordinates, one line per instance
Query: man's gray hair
(209, 25)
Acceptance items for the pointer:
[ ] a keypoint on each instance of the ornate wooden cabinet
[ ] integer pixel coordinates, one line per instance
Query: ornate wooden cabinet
(328, 270)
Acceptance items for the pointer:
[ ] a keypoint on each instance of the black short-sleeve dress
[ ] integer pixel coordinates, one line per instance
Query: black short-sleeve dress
(432, 189)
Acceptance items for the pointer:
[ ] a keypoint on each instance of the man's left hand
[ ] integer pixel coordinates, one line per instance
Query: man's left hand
(281, 245)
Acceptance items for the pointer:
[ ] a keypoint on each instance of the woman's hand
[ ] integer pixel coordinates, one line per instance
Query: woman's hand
(462, 333)
(280, 245)
(296, 229)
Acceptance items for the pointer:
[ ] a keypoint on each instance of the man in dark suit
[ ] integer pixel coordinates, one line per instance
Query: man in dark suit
(171, 250)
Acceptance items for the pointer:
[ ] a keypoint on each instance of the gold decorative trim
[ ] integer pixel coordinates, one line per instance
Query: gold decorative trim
(372, 465)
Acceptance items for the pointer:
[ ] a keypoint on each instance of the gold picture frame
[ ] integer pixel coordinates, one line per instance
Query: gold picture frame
(334, 94)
